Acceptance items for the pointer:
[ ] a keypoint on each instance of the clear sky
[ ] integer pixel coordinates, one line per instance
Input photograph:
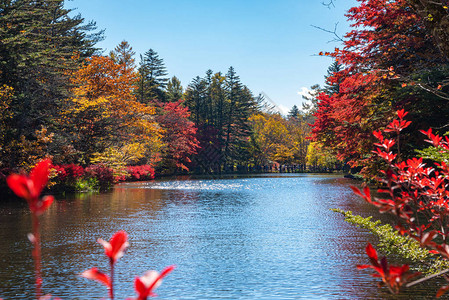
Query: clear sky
(270, 43)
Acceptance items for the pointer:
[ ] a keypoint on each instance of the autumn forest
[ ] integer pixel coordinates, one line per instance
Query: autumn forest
(117, 116)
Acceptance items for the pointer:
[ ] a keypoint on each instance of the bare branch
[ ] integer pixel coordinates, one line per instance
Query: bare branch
(438, 92)
(337, 38)
(433, 91)
(427, 278)
(329, 3)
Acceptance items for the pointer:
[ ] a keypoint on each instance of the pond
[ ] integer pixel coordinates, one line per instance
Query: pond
(261, 237)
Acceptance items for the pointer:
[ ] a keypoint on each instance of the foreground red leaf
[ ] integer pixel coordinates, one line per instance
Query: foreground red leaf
(95, 274)
(443, 290)
(146, 284)
(115, 248)
(30, 187)
(394, 277)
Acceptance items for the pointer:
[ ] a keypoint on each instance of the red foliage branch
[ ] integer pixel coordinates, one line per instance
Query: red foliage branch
(30, 188)
(417, 194)
(392, 276)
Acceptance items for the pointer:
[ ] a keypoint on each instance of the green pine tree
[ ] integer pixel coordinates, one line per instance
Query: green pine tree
(152, 80)
(332, 88)
(40, 46)
(221, 107)
(294, 113)
(174, 90)
(124, 54)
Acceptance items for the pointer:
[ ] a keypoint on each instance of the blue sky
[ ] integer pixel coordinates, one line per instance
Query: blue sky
(271, 44)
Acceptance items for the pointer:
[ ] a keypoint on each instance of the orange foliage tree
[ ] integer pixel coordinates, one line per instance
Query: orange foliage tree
(104, 113)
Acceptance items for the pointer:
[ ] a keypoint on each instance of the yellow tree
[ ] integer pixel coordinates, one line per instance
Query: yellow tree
(271, 139)
(6, 93)
(298, 129)
(320, 159)
(277, 139)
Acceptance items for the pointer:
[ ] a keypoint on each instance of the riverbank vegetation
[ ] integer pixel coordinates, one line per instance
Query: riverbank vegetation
(403, 248)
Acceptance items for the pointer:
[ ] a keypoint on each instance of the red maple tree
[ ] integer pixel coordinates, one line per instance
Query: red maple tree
(179, 135)
(388, 46)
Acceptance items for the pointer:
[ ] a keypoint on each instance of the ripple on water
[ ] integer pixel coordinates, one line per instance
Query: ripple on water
(266, 237)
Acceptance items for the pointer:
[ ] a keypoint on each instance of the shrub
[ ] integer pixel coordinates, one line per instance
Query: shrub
(144, 172)
(87, 185)
(415, 192)
(68, 173)
(102, 173)
(392, 243)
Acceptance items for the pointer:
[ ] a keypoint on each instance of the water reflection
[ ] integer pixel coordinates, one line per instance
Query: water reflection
(261, 237)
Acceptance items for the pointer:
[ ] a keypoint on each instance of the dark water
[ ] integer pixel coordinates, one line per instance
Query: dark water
(264, 237)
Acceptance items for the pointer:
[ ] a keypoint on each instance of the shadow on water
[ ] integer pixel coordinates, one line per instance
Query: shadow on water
(240, 237)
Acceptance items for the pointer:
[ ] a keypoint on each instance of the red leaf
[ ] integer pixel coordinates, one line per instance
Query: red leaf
(428, 237)
(146, 284)
(356, 191)
(95, 274)
(115, 248)
(139, 286)
(361, 267)
(367, 192)
(119, 242)
(20, 185)
(371, 252)
(167, 270)
(378, 135)
(39, 175)
(401, 113)
(44, 204)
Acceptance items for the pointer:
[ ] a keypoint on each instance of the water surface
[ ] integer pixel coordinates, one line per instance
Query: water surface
(260, 237)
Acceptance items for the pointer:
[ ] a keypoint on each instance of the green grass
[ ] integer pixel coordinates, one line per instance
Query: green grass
(392, 243)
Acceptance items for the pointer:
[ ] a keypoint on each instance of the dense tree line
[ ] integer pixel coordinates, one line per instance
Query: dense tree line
(60, 97)
(221, 107)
